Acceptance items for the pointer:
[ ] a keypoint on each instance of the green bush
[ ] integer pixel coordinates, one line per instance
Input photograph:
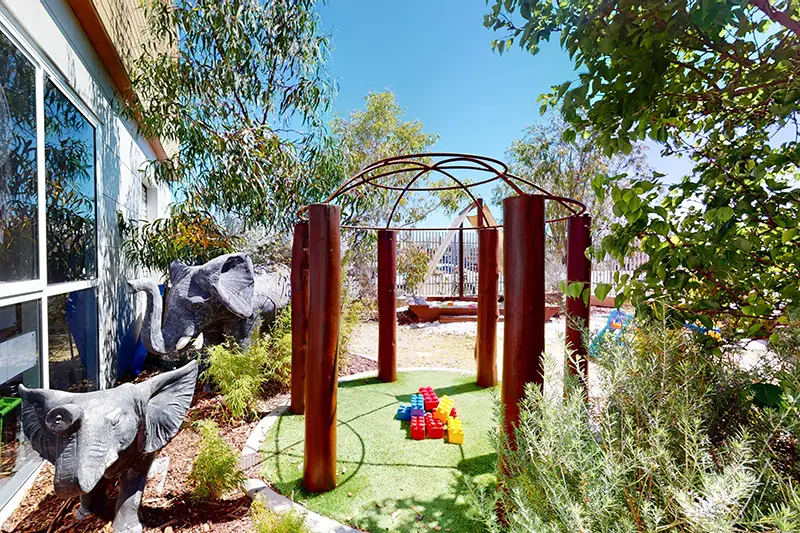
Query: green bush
(215, 470)
(240, 375)
(265, 520)
(681, 441)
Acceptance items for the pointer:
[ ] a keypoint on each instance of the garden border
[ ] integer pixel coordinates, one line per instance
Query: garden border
(257, 488)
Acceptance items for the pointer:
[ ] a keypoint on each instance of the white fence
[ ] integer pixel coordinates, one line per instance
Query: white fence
(603, 272)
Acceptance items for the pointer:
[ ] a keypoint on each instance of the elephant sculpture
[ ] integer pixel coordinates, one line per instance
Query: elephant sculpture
(226, 297)
(94, 437)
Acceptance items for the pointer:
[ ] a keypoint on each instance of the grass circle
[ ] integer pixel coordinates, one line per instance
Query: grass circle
(386, 480)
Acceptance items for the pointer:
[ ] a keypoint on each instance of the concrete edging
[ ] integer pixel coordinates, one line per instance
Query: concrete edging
(257, 488)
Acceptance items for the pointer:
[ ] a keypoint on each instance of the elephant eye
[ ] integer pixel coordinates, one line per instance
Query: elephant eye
(114, 416)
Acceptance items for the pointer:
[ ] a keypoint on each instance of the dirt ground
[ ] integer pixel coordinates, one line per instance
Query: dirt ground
(452, 345)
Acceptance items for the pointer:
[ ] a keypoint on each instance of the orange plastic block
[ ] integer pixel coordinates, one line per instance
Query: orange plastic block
(442, 411)
(455, 431)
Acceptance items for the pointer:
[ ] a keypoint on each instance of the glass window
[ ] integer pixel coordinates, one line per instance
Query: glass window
(72, 341)
(19, 363)
(19, 247)
(70, 177)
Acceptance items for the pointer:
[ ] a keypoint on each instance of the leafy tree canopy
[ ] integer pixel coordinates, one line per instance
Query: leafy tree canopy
(715, 81)
(240, 91)
(376, 132)
(568, 168)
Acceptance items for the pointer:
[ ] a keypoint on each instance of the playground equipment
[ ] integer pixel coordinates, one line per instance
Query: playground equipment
(432, 415)
(316, 277)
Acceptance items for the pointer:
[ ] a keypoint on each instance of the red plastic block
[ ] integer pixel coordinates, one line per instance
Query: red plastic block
(453, 413)
(435, 427)
(417, 428)
(431, 400)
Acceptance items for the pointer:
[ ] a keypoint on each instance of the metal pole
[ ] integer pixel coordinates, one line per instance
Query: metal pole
(523, 255)
(387, 305)
(299, 278)
(461, 261)
(324, 261)
(488, 308)
(579, 269)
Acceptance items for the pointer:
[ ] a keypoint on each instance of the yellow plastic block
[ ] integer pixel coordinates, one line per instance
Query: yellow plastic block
(455, 431)
(442, 411)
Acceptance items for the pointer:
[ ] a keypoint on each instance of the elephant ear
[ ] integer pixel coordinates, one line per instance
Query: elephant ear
(168, 397)
(35, 404)
(234, 284)
(177, 271)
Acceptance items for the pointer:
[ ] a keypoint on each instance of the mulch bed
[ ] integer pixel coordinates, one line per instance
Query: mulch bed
(172, 511)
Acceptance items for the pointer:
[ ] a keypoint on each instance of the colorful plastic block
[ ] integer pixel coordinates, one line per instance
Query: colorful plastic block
(434, 427)
(418, 427)
(453, 413)
(417, 405)
(430, 398)
(455, 431)
(404, 413)
(442, 411)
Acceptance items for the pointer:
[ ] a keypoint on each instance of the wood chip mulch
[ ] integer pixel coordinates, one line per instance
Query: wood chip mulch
(172, 511)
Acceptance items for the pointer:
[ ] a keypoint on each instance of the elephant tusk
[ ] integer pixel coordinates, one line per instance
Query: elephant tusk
(198, 342)
(183, 342)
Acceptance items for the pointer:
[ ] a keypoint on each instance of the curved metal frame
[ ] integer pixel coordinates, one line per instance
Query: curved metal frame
(447, 162)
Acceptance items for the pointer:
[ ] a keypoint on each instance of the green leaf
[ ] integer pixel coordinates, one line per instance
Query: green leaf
(766, 394)
(574, 289)
(788, 234)
(602, 290)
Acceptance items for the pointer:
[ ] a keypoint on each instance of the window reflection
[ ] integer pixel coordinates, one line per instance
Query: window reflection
(19, 250)
(70, 176)
(19, 364)
(72, 341)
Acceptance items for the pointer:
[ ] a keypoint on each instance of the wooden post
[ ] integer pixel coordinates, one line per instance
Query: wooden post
(387, 305)
(579, 269)
(299, 278)
(461, 262)
(488, 308)
(324, 275)
(523, 252)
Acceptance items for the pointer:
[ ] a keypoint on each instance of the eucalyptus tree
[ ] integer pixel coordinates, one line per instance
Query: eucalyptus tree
(713, 81)
(238, 88)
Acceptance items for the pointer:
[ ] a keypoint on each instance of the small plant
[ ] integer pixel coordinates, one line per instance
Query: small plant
(240, 374)
(215, 470)
(265, 520)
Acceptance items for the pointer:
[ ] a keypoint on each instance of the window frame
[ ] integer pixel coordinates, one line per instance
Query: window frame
(38, 289)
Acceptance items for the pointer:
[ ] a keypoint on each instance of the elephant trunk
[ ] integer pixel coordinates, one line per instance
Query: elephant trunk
(65, 481)
(152, 334)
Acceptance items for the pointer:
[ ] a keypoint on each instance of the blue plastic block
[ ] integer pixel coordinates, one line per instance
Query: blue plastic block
(417, 405)
(404, 413)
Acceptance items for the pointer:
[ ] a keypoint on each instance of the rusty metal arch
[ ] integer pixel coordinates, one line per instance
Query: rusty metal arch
(444, 163)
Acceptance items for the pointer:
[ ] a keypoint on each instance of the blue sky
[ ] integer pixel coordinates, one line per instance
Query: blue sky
(436, 56)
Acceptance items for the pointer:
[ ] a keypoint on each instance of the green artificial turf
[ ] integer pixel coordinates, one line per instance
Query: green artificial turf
(386, 480)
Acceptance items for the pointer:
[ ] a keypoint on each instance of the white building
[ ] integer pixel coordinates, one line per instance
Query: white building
(68, 165)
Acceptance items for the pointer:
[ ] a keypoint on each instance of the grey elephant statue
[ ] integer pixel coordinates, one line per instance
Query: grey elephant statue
(94, 437)
(226, 297)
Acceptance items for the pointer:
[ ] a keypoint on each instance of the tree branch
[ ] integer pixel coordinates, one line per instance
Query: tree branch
(781, 17)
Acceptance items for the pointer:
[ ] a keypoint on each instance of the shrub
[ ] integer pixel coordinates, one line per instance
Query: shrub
(215, 470)
(265, 520)
(683, 440)
(240, 374)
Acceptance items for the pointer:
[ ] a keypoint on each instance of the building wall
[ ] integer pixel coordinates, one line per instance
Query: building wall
(49, 34)
(53, 31)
